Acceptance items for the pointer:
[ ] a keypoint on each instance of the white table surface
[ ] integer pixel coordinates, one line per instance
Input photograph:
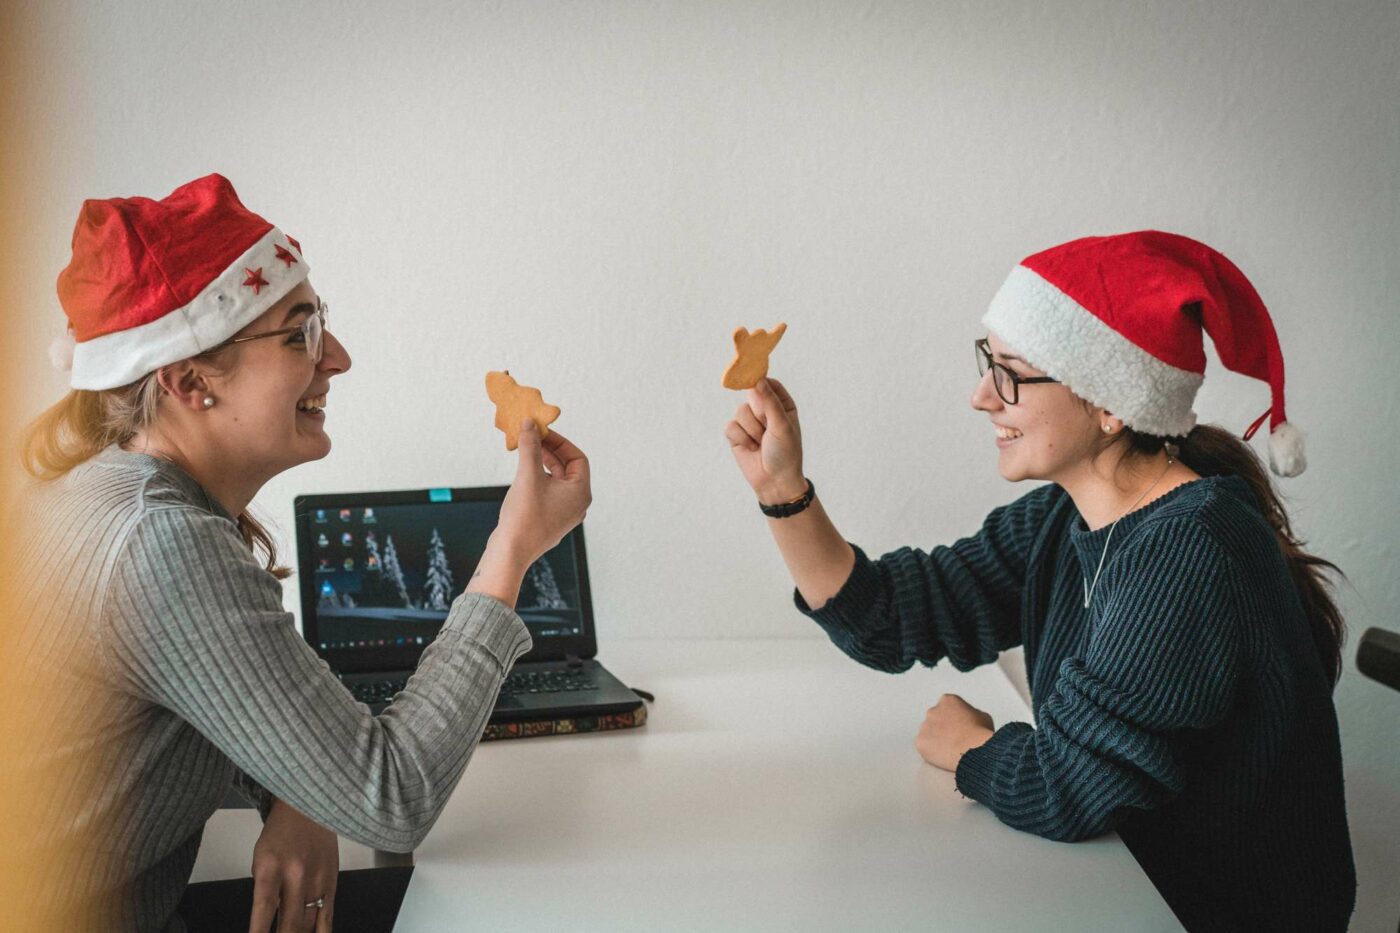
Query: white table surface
(775, 787)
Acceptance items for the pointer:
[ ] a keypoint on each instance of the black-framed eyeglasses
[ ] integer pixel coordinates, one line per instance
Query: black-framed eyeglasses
(312, 330)
(1006, 382)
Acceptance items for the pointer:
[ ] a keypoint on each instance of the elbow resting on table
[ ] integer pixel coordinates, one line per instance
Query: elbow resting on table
(1073, 832)
(406, 844)
(1071, 826)
(401, 835)
(873, 653)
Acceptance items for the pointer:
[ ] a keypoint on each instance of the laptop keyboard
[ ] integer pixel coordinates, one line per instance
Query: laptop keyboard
(378, 691)
(521, 682)
(516, 684)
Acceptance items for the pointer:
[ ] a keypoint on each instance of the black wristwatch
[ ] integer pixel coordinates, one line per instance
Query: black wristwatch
(792, 506)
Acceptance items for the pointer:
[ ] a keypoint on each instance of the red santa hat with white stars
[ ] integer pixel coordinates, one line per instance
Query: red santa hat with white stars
(155, 282)
(1119, 320)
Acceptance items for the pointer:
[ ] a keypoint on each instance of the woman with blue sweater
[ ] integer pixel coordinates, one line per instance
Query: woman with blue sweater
(1181, 647)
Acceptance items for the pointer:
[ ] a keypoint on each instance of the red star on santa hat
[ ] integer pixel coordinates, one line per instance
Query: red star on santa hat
(255, 280)
(285, 255)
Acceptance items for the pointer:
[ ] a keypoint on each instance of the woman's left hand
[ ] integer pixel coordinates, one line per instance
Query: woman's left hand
(951, 728)
(295, 862)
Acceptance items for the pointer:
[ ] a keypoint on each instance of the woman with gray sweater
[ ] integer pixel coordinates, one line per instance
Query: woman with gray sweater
(152, 607)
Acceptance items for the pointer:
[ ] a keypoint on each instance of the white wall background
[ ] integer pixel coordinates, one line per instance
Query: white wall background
(594, 194)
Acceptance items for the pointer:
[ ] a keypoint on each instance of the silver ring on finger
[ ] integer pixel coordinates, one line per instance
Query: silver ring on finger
(316, 904)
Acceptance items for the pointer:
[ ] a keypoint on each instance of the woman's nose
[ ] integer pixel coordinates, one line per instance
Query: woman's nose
(984, 394)
(334, 357)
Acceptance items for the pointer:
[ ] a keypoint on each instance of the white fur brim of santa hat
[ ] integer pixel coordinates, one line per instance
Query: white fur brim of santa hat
(223, 308)
(1121, 320)
(153, 282)
(1060, 336)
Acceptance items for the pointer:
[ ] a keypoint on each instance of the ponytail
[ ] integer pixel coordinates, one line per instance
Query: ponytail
(1212, 451)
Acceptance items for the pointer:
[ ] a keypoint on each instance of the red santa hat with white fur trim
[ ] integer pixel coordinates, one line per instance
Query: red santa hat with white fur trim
(155, 282)
(1119, 319)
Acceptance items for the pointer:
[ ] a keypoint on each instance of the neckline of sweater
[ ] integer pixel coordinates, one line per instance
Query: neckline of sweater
(1082, 537)
(193, 493)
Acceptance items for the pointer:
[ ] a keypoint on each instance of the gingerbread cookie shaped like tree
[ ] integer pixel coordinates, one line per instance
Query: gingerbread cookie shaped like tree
(514, 403)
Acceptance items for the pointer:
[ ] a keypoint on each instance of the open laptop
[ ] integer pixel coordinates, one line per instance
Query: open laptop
(379, 570)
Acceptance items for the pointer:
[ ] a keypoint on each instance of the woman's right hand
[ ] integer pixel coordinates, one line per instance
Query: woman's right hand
(550, 495)
(766, 440)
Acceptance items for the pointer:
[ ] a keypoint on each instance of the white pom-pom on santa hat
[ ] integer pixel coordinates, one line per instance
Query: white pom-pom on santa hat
(1286, 456)
(61, 351)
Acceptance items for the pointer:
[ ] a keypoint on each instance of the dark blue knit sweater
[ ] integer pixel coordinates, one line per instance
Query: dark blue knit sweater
(1187, 708)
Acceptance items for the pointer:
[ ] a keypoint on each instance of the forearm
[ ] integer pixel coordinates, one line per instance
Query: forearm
(196, 626)
(499, 573)
(817, 557)
(382, 780)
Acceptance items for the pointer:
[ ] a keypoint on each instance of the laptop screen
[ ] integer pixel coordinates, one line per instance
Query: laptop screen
(379, 572)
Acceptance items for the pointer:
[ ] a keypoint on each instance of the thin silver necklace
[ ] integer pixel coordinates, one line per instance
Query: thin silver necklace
(1089, 587)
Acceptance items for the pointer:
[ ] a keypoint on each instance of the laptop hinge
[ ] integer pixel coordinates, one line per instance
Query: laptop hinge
(574, 660)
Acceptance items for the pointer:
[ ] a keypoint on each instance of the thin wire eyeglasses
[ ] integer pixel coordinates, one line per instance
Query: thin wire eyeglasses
(312, 330)
(1003, 379)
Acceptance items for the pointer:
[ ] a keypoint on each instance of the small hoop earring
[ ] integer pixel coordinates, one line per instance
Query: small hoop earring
(208, 401)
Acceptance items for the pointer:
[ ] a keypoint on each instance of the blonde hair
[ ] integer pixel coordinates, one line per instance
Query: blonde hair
(84, 423)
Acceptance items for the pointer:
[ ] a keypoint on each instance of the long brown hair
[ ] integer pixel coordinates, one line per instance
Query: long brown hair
(84, 423)
(1213, 451)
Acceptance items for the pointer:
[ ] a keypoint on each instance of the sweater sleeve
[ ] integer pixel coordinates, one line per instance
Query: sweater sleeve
(194, 624)
(253, 792)
(962, 602)
(1161, 664)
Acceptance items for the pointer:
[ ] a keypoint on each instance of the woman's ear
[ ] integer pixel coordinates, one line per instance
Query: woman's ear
(1109, 424)
(185, 385)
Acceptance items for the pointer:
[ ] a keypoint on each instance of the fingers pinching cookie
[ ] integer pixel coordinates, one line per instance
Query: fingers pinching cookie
(751, 356)
(515, 403)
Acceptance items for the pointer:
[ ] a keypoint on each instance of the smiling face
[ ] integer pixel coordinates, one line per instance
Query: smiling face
(1048, 434)
(269, 400)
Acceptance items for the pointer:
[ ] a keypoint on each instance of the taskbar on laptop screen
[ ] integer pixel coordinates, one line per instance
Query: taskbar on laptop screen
(383, 578)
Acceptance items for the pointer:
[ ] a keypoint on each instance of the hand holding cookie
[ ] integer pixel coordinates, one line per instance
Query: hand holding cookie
(766, 440)
(550, 495)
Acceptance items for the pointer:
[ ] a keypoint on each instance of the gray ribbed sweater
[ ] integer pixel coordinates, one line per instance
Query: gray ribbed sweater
(138, 595)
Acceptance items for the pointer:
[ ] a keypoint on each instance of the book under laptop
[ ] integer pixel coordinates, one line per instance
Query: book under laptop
(379, 570)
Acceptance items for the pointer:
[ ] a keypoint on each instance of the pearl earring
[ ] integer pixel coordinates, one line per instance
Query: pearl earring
(1107, 429)
(208, 401)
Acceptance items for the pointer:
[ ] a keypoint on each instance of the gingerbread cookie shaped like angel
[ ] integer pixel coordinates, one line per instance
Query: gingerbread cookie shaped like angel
(751, 356)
